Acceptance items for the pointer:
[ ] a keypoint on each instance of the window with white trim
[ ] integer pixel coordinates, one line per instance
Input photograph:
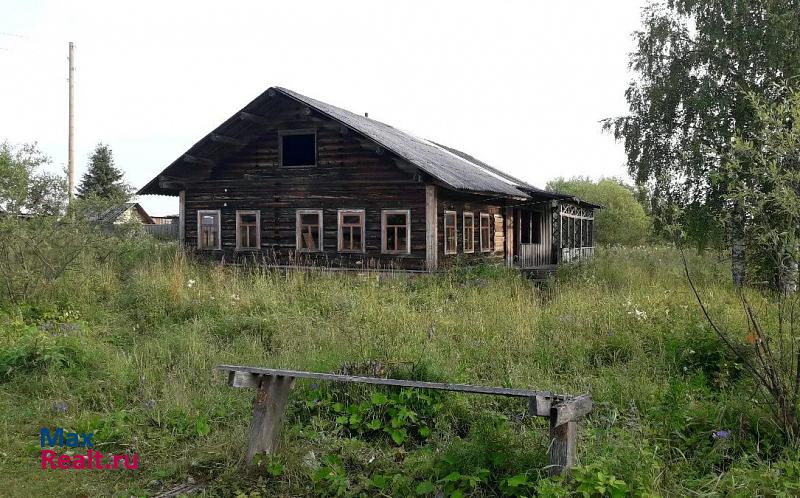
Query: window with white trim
(351, 230)
(395, 231)
(469, 232)
(248, 232)
(450, 230)
(208, 230)
(486, 232)
(309, 230)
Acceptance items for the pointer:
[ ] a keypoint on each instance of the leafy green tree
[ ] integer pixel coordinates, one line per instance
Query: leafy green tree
(763, 177)
(695, 64)
(622, 220)
(24, 187)
(103, 180)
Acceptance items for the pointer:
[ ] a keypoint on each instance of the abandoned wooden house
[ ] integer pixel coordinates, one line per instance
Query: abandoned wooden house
(292, 180)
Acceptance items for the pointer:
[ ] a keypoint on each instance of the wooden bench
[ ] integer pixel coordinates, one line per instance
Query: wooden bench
(273, 392)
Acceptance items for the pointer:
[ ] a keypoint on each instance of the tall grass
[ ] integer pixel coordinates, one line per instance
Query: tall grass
(132, 343)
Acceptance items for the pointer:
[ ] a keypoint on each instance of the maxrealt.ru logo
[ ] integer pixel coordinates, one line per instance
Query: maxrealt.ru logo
(91, 460)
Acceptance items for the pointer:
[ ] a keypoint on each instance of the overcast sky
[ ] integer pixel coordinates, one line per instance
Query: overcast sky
(521, 85)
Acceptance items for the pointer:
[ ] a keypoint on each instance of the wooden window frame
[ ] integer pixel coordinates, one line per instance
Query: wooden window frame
(218, 214)
(471, 216)
(240, 212)
(384, 214)
(488, 243)
(298, 232)
(307, 131)
(451, 250)
(361, 213)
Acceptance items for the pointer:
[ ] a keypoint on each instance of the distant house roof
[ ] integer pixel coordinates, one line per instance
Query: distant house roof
(114, 214)
(455, 169)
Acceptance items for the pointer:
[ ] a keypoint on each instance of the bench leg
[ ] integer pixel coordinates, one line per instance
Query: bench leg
(268, 411)
(563, 441)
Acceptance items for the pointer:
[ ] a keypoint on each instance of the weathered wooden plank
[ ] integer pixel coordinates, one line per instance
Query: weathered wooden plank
(431, 227)
(441, 386)
(199, 160)
(268, 411)
(571, 409)
(255, 118)
(509, 236)
(563, 445)
(181, 217)
(243, 379)
(540, 406)
(216, 137)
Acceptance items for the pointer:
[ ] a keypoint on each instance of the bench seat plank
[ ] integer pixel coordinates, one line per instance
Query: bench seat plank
(466, 388)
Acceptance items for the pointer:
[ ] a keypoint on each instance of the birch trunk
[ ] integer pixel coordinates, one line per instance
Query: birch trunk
(737, 242)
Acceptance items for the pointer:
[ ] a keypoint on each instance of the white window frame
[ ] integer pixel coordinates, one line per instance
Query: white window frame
(361, 213)
(384, 214)
(488, 243)
(218, 214)
(240, 212)
(298, 233)
(307, 131)
(447, 249)
(464, 225)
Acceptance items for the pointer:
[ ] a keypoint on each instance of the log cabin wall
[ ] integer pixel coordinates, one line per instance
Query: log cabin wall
(449, 200)
(347, 175)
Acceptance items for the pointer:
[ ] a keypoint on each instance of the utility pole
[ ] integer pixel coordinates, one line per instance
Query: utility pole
(71, 151)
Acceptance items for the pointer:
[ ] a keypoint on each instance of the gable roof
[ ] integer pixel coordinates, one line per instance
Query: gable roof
(451, 167)
(111, 214)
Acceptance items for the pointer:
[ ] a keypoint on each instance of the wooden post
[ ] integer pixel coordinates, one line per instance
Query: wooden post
(268, 411)
(71, 131)
(562, 450)
(182, 218)
(564, 432)
(431, 228)
(509, 236)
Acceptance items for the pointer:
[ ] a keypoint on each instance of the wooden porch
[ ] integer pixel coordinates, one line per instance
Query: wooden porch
(548, 234)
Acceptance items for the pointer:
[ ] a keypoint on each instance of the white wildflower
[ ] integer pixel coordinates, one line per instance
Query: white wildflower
(190, 283)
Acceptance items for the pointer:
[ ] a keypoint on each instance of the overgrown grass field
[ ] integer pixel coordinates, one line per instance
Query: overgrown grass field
(126, 348)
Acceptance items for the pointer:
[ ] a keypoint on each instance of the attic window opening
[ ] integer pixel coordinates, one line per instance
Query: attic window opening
(298, 148)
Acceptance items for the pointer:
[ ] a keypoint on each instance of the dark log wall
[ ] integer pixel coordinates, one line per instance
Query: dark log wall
(350, 174)
(459, 202)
